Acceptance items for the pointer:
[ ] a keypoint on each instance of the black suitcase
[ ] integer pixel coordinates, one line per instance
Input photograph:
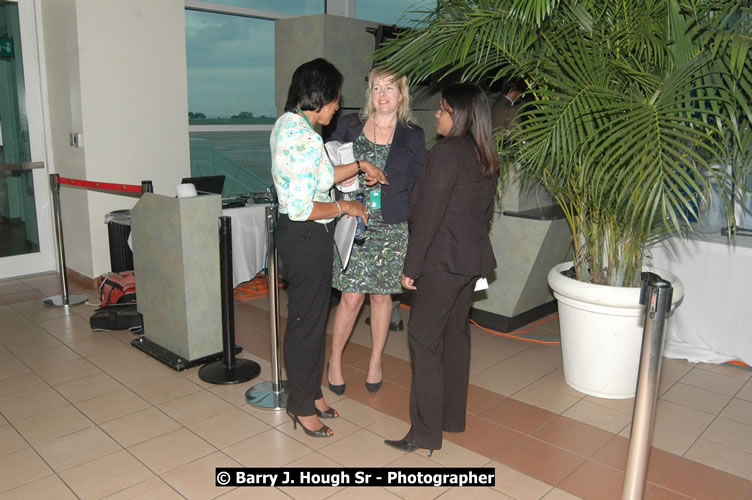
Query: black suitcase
(122, 317)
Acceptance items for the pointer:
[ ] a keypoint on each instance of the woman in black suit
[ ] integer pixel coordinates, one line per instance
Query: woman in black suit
(383, 135)
(449, 250)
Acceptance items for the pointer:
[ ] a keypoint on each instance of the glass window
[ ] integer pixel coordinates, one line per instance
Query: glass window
(295, 7)
(230, 69)
(393, 11)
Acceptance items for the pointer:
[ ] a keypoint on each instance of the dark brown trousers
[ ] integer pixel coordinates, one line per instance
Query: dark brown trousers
(439, 339)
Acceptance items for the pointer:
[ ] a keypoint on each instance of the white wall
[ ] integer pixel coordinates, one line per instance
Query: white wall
(116, 71)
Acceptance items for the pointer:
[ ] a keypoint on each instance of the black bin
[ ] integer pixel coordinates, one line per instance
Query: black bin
(118, 229)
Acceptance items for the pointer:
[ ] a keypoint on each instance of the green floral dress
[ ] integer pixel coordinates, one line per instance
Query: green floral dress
(375, 265)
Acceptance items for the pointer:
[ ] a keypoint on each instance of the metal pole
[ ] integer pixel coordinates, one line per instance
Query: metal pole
(271, 395)
(228, 370)
(657, 299)
(65, 299)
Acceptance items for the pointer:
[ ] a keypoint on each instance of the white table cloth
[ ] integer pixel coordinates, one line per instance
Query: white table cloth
(712, 322)
(248, 241)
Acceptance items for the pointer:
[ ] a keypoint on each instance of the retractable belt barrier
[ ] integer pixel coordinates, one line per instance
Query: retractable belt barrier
(65, 299)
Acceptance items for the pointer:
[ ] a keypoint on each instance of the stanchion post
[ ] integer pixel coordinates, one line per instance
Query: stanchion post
(228, 370)
(271, 395)
(65, 300)
(656, 294)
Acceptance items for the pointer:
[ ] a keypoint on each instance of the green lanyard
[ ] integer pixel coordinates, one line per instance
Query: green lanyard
(304, 117)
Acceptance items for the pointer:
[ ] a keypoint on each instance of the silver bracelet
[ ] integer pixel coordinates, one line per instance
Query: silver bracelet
(339, 208)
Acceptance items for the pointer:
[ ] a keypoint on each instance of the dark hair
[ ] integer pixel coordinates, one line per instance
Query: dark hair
(471, 115)
(313, 85)
(514, 83)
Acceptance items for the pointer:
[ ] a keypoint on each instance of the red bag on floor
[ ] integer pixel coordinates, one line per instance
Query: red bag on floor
(117, 288)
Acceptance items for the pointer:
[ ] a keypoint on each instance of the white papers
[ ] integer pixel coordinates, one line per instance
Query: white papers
(481, 284)
(344, 236)
(341, 153)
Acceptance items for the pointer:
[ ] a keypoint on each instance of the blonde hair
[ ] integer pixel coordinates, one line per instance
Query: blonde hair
(404, 112)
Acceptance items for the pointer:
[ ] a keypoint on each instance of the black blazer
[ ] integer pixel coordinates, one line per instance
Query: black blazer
(406, 159)
(449, 218)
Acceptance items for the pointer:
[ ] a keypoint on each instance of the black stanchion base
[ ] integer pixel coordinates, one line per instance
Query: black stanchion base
(217, 373)
(175, 361)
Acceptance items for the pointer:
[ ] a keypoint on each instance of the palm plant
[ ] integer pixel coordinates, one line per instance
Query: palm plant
(635, 108)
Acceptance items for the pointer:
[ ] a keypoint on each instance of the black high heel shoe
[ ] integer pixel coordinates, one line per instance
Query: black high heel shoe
(323, 432)
(330, 413)
(373, 388)
(405, 445)
(336, 389)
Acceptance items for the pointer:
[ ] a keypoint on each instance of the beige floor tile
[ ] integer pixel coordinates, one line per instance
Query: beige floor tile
(713, 381)
(474, 493)
(518, 485)
(272, 418)
(696, 397)
(31, 404)
(504, 384)
(68, 371)
(524, 365)
(233, 394)
(76, 448)
(195, 407)
(358, 413)
(555, 381)
(137, 427)
(548, 399)
(154, 488)
(48, 487)
(49, 357)
(731, 433)
(228, 428)
(349, 451)
(258, 493)
(390, 428)
(10, 440)
(112, 405)
(96, 345)
(720, 456)
(621, 405)
(171, 450)
(114, 472)
(12, 366)
(196, 479)
(21, 467)
(557, 494)
(162, 389)
(63, 323)
(83, 389)
(683, 418)
(746, 392)
(268, 449)
(598, 416)
(77, 334)
(315, 492)
(52, 424)
(670, 439)
(738, 410)
(17, 385)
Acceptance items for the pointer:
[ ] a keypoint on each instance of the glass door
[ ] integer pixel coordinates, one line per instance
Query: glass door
(26, 242)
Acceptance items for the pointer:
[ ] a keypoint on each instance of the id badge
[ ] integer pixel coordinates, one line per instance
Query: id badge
(374, 199)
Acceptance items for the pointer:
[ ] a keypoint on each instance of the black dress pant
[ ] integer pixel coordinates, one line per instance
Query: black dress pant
(306, 249)
(439, 340)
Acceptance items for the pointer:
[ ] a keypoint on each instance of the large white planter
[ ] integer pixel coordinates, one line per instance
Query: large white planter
(601, 333)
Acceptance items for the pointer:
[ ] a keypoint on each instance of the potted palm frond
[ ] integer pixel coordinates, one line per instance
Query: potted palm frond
(634, 110)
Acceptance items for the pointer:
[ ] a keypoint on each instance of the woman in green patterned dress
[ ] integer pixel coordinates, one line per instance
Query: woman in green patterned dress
(383, 135)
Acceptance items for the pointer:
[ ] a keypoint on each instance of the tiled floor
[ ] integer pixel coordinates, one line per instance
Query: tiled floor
(84, 414)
